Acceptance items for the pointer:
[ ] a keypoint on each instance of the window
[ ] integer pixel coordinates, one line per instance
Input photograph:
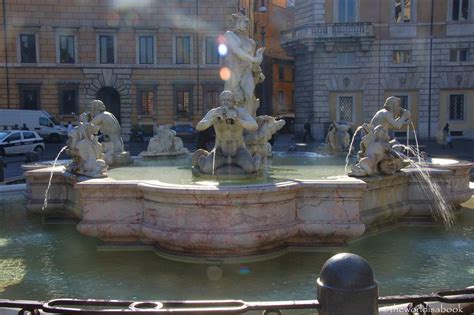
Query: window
(28, 48)
(146, 49)
(345, 58)
(460, 10)
(66, 49)
(28, 135)
(13, 137)
(346, 11)
(183, 99)
(281, 72)
(458, 55)
(106, 49)
(403, 101)
(146, 100)
(401, 56)
(30, 96)
(281, 101)
(68, 100)
(456, 107)
(345, 111)
(43, 121)
(211, 97)
(183, 50)
(402, 11)
(212, 54)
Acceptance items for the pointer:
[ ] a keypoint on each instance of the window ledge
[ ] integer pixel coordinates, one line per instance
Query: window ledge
(146, 116)
(459, 63)
(459, 22)
(346, 67)
(403, 65)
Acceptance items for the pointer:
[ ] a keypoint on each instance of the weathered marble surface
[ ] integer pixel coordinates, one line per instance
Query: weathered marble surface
(223, 221)
(164, 143)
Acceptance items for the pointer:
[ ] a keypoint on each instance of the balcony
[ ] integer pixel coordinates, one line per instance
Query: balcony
(328, 33)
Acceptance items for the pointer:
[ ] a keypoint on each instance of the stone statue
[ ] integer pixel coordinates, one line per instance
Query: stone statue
(377, 154)
(230, 154)
(164, 143)
(338, 138)
(111, 132)
(85, 150)
(244, 64)
(392, 115)
(257, 142)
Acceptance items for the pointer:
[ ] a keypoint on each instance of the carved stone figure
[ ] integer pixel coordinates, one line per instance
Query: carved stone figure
(257, 142)
(86, 151)
(244, 64)
(338, 138)
(164, 142)
(377, 154)
(392, 115)
(111, 131)
(230, 155)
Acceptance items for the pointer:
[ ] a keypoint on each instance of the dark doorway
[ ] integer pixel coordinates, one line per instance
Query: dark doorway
(111, 99)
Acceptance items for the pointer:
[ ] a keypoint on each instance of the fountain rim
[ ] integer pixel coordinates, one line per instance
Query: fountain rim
(330, 182)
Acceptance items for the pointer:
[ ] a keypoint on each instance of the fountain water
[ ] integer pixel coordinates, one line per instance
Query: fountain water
(350, 148)
(46, 192)
(430, 188)
(257, 217)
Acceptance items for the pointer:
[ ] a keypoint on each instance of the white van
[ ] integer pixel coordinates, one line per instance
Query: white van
(35, 120)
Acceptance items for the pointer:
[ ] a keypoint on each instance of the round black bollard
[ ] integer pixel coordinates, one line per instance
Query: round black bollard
(346, 286)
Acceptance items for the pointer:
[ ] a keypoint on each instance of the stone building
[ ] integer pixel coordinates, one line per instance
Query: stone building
(351, 54)
(151, 62)
(270, 18)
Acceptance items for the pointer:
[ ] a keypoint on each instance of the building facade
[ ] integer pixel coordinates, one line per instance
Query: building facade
(151, 62)
(352, 54)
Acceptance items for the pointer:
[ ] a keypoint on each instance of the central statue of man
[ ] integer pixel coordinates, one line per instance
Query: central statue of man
(229, 124)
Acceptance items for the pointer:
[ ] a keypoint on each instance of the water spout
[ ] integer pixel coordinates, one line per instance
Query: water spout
(416, 141)
(442, 210)
(46, 193)
(213, 161)
(350, 149)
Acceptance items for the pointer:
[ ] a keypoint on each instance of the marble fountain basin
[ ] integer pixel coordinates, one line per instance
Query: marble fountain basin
(303, 201)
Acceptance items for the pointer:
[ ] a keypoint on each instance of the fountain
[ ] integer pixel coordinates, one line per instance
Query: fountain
(164, 143)
(234, 206)
(338, 138)
(230, 155)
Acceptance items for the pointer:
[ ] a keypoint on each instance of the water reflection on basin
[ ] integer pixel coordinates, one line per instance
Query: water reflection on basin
(47, 261)
(283, 166)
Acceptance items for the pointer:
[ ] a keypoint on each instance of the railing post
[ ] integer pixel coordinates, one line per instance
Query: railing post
(346, 285)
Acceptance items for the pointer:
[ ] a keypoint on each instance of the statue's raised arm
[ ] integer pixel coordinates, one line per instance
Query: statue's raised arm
(392, 115)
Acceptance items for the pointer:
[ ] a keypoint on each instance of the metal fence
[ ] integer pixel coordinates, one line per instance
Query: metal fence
(345, 286)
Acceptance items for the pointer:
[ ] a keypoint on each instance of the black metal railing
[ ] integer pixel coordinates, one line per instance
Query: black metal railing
(78, 306)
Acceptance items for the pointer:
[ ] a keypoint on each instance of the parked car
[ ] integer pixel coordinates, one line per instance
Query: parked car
(20, 142)
(185, 131)
(37, 120)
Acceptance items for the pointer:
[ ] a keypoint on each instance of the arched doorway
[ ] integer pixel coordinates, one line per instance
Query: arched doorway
(111, 99)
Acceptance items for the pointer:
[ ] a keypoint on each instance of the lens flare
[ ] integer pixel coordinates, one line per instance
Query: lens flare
(214, 273)
(244, 270)
(225, 73)
(113, 19)
(222, 49)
